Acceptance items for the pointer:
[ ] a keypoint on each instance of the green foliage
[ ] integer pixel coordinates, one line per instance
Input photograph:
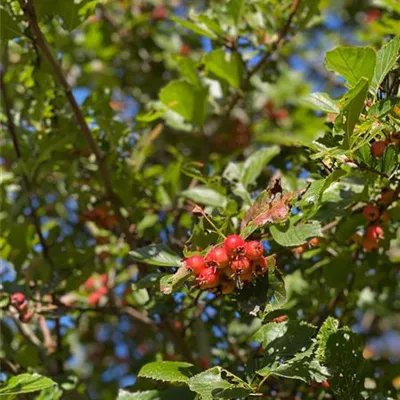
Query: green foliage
(137, 134)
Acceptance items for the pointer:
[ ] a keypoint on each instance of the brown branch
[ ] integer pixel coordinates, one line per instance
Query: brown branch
(280, 41)
(40, 41)
(17, 149)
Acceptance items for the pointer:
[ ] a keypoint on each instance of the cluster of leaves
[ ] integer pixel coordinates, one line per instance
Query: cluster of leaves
(122, 120)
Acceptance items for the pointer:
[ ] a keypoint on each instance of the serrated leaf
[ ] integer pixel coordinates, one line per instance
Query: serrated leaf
(206, 196)
(381, 108)
(295, 235)
(352, 104)
(148, 281)
(235, 10)
(9, 28)
(167, 371)
(218, 383)
(270, 206)
(389, 160)
(142, 395)
(226, 66)
(385, 60)
(321, 102)
(353, 63)
(186, 99)
(25, 383)
(171, 283)
(197, 27)
(157, 254)
(253, 165)
(329, 326)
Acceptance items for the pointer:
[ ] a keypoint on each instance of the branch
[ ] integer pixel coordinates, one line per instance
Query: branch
(17, 149)
(280, 41)
(40, 41)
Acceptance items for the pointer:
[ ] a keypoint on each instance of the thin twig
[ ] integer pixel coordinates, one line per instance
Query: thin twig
(17, 149)
(39, 39)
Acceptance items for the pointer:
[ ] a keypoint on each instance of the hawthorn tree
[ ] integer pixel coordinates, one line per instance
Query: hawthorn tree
(200, 200)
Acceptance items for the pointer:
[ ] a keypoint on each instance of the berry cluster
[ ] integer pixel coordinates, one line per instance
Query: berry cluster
(98, 287)
(223, 265)
(18, 300)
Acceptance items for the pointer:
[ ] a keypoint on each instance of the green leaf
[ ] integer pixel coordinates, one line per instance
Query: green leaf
(207, 196)
(186, 99)
(26, 383)
(321, 102)
(148, 281)
(157, 254)
(235, 10)
(226, 66)
(329, 326)
(353, 63)
(385, 60)
(9, 28)
(295, 235)
(167, 371)
(197, 27)
(381, 108)
(173, 282)
(352, 104)
(254, 164)
(389, 160)
(218, 383)
(142, 395)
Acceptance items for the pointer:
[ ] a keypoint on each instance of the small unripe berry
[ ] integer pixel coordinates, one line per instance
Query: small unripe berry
(17, 299)
(227, 287)
(247, 277)
(234, 244)
(217, 257)
(374, 232)
(371, 213)
(196, 264)
(240, 264)
(387, 196)
(254, 250)
(378, 148)
(26, 317)
(260, 267)
(208, 278)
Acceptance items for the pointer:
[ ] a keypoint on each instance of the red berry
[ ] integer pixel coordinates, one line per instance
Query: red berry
(17, 299)
(378, 148)
(370, 244)
(94, 298)
(375, 232)
(281, 318)
(208, 278)
(254, 250)
(103, 279)
(240, 264)
(371, 213)
(196, 264)
(217, 257)
(159, 13)
(325, 384)
(89, 284)
(313, 242)
(185, 50)
(260, 267)
(234, 244)
(26, 317)
(101, 291)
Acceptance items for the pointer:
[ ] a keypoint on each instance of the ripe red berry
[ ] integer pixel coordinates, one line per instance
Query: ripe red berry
(26, 317)
(240, 264)
(260, 267)
(254, 250)
(159, 13)
(208, 278)
(89, 284)
(217, 257)
(371, 213)
(234, 244)
(17, 299)
(94, 298)
(374, 232)
(313, 242)
(196, 264)
(378, 148)
(370, 244)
